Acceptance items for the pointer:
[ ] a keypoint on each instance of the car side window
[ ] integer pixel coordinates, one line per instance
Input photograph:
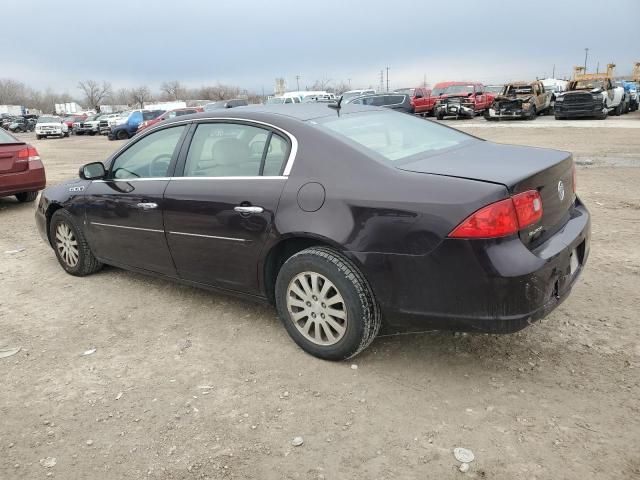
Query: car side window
(233, 150)
(149, 157)
(276, 154)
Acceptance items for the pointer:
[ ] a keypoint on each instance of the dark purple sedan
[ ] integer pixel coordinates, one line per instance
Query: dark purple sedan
(347, 219)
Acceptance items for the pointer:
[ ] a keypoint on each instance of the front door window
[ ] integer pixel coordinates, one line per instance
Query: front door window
(149, 157)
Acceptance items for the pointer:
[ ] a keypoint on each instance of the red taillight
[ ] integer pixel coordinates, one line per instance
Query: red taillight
(496, 220)
(528, 207)
(28, 154)
(503, 218)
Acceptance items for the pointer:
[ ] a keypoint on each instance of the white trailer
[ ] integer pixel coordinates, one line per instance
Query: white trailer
(12, 109)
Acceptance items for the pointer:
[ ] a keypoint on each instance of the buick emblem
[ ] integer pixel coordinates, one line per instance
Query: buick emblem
(561, 190)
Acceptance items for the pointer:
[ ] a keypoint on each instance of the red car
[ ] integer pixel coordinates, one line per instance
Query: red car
(419, 98)
(424, 99)
(73, 118)
(21, 171)
(169, 114)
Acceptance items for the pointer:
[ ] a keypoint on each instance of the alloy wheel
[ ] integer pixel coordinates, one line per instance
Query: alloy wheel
(67, 245)
(317, 308)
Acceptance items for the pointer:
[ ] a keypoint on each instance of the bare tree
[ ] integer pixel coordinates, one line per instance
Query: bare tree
(12, 92)
(340, 88)
(140, 95)
(172, 90)
(219, 92)
(321, 84)
(94, 92)
(121, 97)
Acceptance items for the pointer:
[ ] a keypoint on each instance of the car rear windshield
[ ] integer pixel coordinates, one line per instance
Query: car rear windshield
(518, 89)
(392, 135)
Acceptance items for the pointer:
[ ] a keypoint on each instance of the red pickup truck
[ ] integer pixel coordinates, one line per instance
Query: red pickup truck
(463, 99)
(424, 99)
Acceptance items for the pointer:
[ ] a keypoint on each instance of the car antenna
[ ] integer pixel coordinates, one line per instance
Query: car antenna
(337, 104)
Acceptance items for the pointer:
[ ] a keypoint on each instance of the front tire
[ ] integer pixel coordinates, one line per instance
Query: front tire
(122, 135)
(26, 196)
(326, 304)
(70, 245)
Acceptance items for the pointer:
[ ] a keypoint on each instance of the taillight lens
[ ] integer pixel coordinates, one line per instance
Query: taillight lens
(28, 154)
(528, 207)
(503, 218)
(496, 220)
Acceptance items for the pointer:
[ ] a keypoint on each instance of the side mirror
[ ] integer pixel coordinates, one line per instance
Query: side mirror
(92, 171)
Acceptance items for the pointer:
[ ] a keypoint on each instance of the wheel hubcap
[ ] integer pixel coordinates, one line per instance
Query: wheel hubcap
(67, 245)
(317, 308)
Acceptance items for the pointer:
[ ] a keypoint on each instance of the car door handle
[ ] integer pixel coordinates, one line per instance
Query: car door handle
(147, 205)
(248, 209)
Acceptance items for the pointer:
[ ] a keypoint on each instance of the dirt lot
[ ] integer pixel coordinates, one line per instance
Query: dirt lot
(187, 384)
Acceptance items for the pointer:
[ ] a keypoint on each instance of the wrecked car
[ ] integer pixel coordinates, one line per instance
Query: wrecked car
(462, 99)
(590, 95)
(520, 100)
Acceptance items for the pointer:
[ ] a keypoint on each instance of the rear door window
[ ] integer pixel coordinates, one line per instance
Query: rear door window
(235, 150)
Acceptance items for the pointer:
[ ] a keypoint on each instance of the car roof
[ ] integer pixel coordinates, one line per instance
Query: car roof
(298, 111)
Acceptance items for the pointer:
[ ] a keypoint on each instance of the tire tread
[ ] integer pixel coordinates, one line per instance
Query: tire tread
(371, 311)
(88, 263)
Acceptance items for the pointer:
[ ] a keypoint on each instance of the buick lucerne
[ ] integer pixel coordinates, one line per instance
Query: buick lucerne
(346, 219)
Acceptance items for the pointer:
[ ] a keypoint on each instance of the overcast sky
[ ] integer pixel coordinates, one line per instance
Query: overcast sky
(251, 42)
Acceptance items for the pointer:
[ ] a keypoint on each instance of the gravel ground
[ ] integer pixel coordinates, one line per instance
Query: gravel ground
(188, 384)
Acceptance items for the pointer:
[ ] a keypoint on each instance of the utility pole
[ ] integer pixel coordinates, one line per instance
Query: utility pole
(424, 81)
(586, 55)
(298, 83)
(349, 82)
(381, 80)
(553, 75)
(598, 68)
(387, 79)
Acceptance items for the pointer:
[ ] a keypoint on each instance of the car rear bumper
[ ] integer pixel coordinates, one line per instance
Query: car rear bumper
(31, 180)
(490, 286)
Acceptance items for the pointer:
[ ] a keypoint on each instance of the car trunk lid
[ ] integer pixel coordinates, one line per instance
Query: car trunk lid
(10, 161)
(519, 169)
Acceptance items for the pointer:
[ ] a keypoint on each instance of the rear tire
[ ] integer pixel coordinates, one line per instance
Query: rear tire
(306, 285)
(38, 137)
(70, 245)
(26, 196)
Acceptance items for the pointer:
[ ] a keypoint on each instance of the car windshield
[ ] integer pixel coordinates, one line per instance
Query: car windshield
(518, 89)
(275, 100)
(494, 88)
(455, 89)
(392, 135)
(49, 120)
(587, 84)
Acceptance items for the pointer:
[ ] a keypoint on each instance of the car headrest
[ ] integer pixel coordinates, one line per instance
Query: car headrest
(229, 151)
